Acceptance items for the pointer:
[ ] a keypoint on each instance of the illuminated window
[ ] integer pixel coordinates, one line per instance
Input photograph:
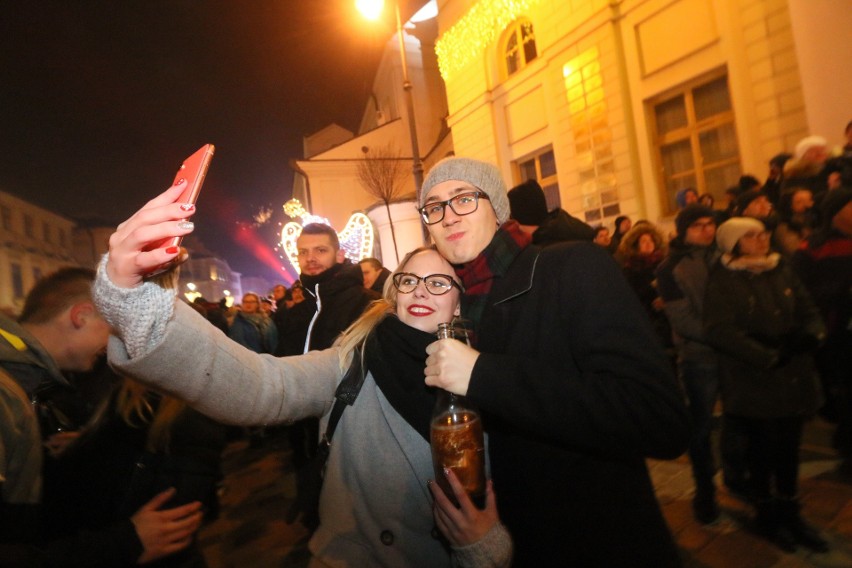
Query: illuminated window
(519, 48)
(214, 272)
(592, 136)
(695, 139)
(542, 168)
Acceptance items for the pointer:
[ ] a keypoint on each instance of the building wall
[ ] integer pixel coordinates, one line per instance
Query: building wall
(629, 53)
(24, 258)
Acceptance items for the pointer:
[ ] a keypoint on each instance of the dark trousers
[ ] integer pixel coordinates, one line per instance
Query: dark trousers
(701, 383)
(772, 455)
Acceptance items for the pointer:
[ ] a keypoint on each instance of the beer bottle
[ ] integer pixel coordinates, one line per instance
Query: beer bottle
(457, 441)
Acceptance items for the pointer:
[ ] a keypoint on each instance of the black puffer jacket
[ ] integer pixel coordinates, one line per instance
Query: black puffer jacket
(765, 326)
(333, 300)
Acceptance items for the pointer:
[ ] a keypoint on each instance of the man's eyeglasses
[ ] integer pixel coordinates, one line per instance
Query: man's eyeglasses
(461, 204)
(436, 284)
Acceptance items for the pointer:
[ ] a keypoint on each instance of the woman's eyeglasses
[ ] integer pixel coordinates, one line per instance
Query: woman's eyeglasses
(436, 284)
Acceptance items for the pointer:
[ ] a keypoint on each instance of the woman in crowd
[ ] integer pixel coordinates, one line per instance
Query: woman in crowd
(641, 251)
(375, 508)
(764, 325)
(796, 220)
(138, 444)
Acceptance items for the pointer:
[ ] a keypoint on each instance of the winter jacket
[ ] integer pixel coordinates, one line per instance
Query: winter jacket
(576, 393)
(765, 327)
(682, 281)
(258, 333)
(559, 226)
(331, 303)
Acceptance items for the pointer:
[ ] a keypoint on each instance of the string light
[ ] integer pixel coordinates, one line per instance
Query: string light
(467, 39)
(356, 238)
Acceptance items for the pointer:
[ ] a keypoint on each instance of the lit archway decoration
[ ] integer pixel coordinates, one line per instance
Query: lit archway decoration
(356, 238)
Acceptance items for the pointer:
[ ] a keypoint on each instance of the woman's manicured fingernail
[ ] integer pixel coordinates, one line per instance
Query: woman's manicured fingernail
(187, 206)
(172, 250)
(446, 472)
(186, 225)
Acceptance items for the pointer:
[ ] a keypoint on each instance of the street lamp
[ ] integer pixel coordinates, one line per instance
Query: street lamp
(372, 9)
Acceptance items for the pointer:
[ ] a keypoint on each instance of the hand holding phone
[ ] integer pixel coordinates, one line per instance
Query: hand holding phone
(191, 173)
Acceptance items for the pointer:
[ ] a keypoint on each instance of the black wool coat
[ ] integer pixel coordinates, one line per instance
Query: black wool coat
(576, 392)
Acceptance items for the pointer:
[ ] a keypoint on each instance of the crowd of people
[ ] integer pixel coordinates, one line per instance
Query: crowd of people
(587, 352)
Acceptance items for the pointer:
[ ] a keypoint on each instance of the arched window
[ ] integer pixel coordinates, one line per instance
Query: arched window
(519, 48)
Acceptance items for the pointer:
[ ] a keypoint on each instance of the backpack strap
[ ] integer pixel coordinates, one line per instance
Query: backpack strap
(347, 392)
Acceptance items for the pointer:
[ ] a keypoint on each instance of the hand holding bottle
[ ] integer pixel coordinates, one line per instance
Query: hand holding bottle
(450, 365)
(465, 524)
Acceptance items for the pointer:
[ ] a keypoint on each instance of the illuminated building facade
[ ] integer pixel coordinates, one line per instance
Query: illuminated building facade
(615, 105)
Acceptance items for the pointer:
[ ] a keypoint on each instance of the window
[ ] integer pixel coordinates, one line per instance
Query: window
(519, 48)
(584, 90)
(36, 274)
(5, 217)
(29, 229)
(542, 168)
(17, 280)
(695, 139)
(48, 235)
(63, 238)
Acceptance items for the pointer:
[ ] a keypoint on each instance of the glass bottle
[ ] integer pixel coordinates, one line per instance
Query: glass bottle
(457, 441)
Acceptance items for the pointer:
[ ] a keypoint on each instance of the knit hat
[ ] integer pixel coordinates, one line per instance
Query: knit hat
(527, 203)
(733, 229)
(680, 196)
(834, 201)
(482, 175)
(806, 144)
(745, 199)
(689, 215)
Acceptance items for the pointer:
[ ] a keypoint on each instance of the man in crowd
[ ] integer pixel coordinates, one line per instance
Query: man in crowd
(682, 280)
(375, 275)
(334, 297)
(60, 331)
(529, 208)
(574, 387)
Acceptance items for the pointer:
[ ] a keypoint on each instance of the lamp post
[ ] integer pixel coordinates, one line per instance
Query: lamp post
(372, 9)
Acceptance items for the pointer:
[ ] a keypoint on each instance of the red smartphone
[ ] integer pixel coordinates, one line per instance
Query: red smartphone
(192, 171)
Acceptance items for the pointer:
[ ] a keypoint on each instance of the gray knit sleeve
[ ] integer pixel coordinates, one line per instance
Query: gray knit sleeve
(494, 550)
(138, 315)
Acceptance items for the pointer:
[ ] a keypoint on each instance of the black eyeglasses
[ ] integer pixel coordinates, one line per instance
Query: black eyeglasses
(461, 204)
(436, 284)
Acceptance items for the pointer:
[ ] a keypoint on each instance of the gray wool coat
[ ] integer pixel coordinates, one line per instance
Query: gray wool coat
(375, 506)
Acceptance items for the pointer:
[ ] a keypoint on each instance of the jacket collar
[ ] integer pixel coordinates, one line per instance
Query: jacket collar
(519, 278)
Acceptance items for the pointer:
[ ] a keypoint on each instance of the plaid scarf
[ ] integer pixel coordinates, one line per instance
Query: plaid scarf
(494, 261)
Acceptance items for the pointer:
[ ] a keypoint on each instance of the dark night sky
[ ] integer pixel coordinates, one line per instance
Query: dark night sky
(100, 101)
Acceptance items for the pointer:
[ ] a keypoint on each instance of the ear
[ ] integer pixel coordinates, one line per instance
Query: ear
(341, 255)
(457, 311)
(81, 313)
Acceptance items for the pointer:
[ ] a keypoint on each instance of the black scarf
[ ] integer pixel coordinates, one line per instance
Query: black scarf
(396, 357)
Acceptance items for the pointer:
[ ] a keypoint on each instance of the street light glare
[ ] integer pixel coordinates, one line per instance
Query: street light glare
(370, 9)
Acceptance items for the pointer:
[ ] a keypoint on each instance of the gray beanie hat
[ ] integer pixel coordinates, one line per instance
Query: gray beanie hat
(482, 175)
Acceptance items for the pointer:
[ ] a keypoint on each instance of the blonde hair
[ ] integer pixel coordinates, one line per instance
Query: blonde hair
(135, 409)
(356, 334)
